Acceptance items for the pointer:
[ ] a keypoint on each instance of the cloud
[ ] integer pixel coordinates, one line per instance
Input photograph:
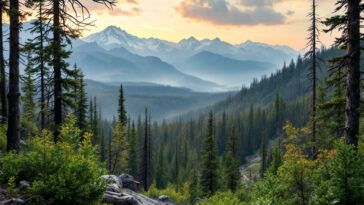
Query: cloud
(130, 1)
(259, 3)
(135, 11)
(122, 8)
(290, 13)
(220, 12)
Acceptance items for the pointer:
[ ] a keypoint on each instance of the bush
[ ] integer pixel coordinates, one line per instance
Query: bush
(3, 140)
(64, 173)
(343, 182)
(223, 198)
(176, 197)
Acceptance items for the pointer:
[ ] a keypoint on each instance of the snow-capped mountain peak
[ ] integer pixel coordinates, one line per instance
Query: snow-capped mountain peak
(115, 37)
(190, 43)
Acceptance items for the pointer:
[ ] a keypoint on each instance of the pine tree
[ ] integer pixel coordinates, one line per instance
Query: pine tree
(119, 149)
(160, 169)
(277, 159)
(145, 163)
(13, 135)
(3, 101)
(64, 27)
(195, 189)
(133, 160)
(90, 116)
(28, 120)
(311, 54)
(40, 55)
(264, 153)
(349, 24)
(121, 107)
(209, 166)
(81, 103)
(232, 161)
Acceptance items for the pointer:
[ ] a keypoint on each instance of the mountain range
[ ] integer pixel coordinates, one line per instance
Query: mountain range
(202, 65)
(113, 55)
(114, 37)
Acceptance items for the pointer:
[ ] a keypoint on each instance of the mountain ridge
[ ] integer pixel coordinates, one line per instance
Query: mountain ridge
(113, 36)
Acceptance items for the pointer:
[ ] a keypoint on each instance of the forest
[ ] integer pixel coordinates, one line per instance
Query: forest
(294, 137)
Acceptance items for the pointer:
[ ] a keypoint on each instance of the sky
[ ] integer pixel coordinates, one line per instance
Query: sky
(277, 22)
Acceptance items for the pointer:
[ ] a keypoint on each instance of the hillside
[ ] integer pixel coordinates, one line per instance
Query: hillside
(163, 101)
(260, 110)
(223, 70)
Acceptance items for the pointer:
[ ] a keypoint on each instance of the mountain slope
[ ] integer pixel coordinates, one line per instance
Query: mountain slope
(163, 101)
(120, 65)
(223, 70)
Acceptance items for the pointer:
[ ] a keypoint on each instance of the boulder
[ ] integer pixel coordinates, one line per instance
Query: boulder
(127, 197)
(113, 188)
(165, 199)
(13, 201)
(24, 185)
(128, 182)
(113, 180)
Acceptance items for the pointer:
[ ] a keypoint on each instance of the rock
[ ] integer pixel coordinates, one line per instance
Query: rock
(197, 200)
(164, 199)
(113, 180)
(119, 199)
(128, 197)
(24, 185)
(129, 182)
(13, 201)
(113, 188)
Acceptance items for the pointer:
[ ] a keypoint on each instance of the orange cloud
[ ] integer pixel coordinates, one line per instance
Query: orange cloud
(221, 12)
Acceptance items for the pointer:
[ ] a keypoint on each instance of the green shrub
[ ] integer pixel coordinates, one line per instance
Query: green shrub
(11, 187)
(64, 173)
(223, 198)
(3, 129)
(176, 197)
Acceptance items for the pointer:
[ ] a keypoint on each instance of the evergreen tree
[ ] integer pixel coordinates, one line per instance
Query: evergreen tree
(3, 101)
(28, 120)
(209, 166)
(119, 149)
(64, 27)
(40, 55)
(232, 162)
(350, 39)
(160, 169)
(346, 177)
(145, 160)
(133, 160)
(277, 159)
(90, 116)
(195, 188)
(81, 103)
(311, 54)
(13, 135)
(121, 107)
(95, 122)
(264, 152)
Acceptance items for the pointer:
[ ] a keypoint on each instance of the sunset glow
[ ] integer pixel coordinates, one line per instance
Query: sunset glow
(282, 22)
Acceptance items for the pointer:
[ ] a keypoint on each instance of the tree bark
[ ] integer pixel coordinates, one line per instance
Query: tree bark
(353, 73)
(13, 96)
(3, 101)
(57, 68)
